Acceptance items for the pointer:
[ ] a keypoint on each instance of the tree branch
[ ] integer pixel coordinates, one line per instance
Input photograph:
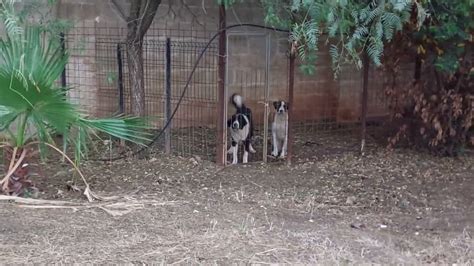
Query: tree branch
(149, 12)
(170, 10)
(195, 17)
(119, 10)
(132, 20)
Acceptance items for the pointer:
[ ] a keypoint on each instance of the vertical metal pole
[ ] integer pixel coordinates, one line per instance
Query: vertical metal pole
(363, 115)
(267, 92)
(291, 82)
(120, 79)
(221, 133)
(62, 40)
(168, 96)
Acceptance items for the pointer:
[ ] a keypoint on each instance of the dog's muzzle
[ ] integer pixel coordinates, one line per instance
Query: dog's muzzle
(235, 125)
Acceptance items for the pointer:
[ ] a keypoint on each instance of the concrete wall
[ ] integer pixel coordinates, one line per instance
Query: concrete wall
(93, 68)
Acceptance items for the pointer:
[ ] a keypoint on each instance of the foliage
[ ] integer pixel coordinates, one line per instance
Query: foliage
(228, 3)
(352, 27)
(37, 13)
(33, 108)
(437, 110)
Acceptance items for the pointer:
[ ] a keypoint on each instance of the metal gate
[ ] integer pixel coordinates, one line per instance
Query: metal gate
(248, 73)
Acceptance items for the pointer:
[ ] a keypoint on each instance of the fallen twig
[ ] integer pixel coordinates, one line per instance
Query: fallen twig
(36, 201)
(74, 208)
(114, 209)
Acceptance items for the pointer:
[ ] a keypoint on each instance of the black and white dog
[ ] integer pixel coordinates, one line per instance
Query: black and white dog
(241, 129)
(280, 129)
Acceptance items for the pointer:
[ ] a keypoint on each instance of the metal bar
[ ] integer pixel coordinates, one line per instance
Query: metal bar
(120, 79)
(62, 40)
(221, 104)
(267, 92)
(168, 96)
(363, 115)
(291, 81)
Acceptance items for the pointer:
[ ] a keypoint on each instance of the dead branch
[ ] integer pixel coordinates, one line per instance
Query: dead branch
(114, 209)
(194, 16)
(35, 201)
(116, 7)
(13, 167)
(171, 10)
(203, 6)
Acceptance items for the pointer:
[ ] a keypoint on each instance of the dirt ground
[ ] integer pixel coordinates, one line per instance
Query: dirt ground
(333, 208)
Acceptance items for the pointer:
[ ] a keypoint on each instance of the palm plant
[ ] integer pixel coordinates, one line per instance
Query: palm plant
(33, 108)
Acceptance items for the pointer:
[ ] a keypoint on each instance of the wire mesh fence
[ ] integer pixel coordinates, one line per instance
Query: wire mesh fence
(326, 111)
(99, 75)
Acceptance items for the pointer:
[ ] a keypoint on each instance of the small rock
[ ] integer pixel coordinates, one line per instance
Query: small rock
(350, 200)
(383, 226)
(72, 187)
(194, 161)
(357, 225)
(404, 204)
(61, 174)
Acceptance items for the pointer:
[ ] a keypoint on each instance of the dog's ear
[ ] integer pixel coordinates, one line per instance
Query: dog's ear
(229, 122)
(275, 104)
(286, 106)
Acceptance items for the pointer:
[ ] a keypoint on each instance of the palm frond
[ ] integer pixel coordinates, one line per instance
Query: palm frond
(128, 128)
(10, 20)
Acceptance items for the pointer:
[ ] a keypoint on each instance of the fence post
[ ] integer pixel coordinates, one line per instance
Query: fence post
(291, 82)
(120, 79)
(266, 97)
(363, 115)
(221, 133)
(62, 40)
(168, 96)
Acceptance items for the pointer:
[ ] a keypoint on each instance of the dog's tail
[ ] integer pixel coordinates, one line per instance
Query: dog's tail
(237, 100)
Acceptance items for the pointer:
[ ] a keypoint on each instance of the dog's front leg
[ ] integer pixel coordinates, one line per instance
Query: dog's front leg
(235, 145)
(275, 144)
(232, 147)
(246, 151)
(285, 145)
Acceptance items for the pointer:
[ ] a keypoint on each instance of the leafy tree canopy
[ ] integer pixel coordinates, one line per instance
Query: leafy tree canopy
(446, 38)
(351, 27)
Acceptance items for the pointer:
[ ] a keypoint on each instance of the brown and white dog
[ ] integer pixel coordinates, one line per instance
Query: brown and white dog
(280, 129)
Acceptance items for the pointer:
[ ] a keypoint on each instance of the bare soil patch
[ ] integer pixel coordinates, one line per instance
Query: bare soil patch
(334, 207)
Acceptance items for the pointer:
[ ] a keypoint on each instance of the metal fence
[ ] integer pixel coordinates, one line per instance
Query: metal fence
(326, 111)
(99, 74)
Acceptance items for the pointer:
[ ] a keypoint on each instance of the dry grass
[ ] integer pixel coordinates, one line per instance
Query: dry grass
(399, 208)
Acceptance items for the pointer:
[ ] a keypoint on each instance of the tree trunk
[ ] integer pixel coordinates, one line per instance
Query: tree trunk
(135, 65)
(142, 13)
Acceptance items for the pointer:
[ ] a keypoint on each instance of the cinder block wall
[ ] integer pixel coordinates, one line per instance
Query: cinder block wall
(317, 97)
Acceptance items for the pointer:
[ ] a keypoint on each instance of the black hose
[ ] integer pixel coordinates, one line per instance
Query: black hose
(157, 136)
